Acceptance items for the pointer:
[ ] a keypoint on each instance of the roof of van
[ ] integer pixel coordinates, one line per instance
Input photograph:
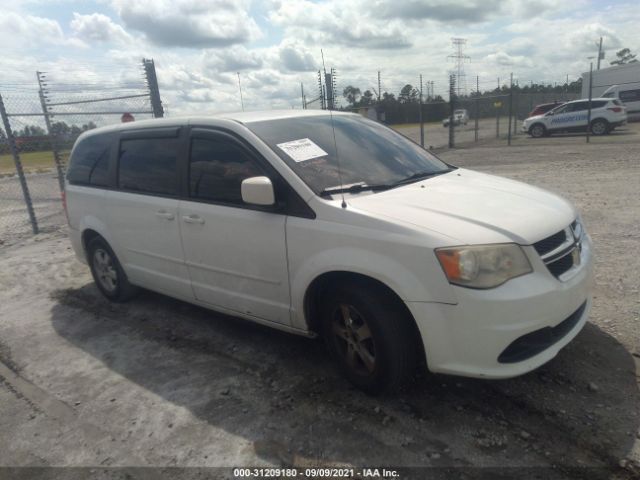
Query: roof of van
(240, 117)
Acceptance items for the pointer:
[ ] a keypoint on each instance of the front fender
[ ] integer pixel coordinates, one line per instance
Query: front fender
(394, 273)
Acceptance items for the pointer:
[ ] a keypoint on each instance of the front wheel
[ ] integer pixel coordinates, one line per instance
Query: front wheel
(537, 130)
(370, 335)
(599, 127)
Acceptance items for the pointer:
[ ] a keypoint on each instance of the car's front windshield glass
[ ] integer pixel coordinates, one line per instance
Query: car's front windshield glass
(370, 153)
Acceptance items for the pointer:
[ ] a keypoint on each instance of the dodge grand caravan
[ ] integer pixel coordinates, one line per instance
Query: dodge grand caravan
(334, 226)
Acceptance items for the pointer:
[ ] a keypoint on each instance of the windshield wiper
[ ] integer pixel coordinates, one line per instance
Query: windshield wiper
(361, 186)
(353, 188)
(418, 176)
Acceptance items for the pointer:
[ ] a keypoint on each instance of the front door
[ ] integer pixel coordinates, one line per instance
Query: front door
(236, 254)
(569, 116)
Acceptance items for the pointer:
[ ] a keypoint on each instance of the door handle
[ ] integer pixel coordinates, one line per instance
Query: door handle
(164, 214)
(193, 219)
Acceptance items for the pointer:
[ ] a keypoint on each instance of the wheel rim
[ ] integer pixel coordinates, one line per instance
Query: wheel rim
(598, 128)
(536, 131)
(105, 270)
(353, 339)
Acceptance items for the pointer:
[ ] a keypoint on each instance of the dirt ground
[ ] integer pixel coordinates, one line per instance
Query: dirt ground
(160, 383)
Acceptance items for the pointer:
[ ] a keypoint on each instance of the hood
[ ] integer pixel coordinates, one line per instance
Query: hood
(473, 208)
(535, 117)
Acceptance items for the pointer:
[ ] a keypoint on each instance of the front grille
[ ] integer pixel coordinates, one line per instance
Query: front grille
(533, 343)
(560, 266)
(548, 244)
(557, 250)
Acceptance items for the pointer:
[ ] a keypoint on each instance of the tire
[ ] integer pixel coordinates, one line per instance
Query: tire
(107, 272)
(537, 130)
(599, 127)
(370, 335)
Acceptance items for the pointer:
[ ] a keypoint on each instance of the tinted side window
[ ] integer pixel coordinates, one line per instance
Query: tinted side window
(217, 169)
(89, 164)
(579, 106)
(563, 109)
(630, 95)
(149, 165)
(598, 104)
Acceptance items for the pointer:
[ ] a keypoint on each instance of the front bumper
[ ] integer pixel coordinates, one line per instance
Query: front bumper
(468, 338)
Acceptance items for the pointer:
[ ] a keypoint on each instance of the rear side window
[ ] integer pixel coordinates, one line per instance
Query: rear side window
(217, 168)
(89, 163)
(630, 95)
(149, 165)
(598, 104)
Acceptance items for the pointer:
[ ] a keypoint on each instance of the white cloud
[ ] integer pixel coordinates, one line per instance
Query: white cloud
(513, 61)
(98, 28)
(337, 23)
(234, 59)
(297, 58)
(190, 23)
(28, 31)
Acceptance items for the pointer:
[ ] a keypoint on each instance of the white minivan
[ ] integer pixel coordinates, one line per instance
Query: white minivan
(333, 225)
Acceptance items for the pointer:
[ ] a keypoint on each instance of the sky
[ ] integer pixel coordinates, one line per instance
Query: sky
(200, 46)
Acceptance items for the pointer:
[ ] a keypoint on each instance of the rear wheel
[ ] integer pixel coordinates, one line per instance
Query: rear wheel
(107, 272)
(537, 130)
(370, 335)
(599, 127)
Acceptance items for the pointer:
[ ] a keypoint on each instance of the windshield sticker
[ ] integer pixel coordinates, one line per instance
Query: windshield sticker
(301, 150)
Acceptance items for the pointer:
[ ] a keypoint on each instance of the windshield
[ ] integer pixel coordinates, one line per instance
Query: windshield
(370, 153)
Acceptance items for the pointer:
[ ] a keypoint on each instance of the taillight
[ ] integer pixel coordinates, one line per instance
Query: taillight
(63, 194)
(615, 109)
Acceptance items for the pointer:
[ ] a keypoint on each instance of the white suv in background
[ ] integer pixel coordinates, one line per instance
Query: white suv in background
(460, 117)
(606, 114)
(390, 254)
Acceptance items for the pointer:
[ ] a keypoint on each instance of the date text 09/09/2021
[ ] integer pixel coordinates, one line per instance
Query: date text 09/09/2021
(323, 472)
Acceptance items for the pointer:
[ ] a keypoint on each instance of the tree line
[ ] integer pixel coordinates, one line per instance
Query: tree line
(32, 138)
(410, 94)
(405, 107)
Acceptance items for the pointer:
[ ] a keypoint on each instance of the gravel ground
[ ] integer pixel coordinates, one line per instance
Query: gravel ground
(157, 382)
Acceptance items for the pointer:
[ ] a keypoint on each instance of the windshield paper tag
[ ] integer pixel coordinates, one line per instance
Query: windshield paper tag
(301, 150)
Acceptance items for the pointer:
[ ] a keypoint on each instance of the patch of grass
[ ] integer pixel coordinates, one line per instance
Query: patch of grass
(31, 162)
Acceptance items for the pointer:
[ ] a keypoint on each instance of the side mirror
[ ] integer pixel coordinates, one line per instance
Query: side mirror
(257, 191)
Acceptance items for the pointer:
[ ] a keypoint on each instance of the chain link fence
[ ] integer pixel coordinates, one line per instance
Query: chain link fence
(487, 113)
(40, 124)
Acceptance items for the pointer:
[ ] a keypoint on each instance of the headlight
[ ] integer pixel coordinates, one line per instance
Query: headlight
(483, 266)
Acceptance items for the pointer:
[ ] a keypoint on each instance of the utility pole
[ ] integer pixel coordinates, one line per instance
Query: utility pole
(477, 106)
(590, 96)
(420, 115)
(510, 108)
(600, 53)
(302, 95)
(452, 97)
(240, 89)
(379, 86)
